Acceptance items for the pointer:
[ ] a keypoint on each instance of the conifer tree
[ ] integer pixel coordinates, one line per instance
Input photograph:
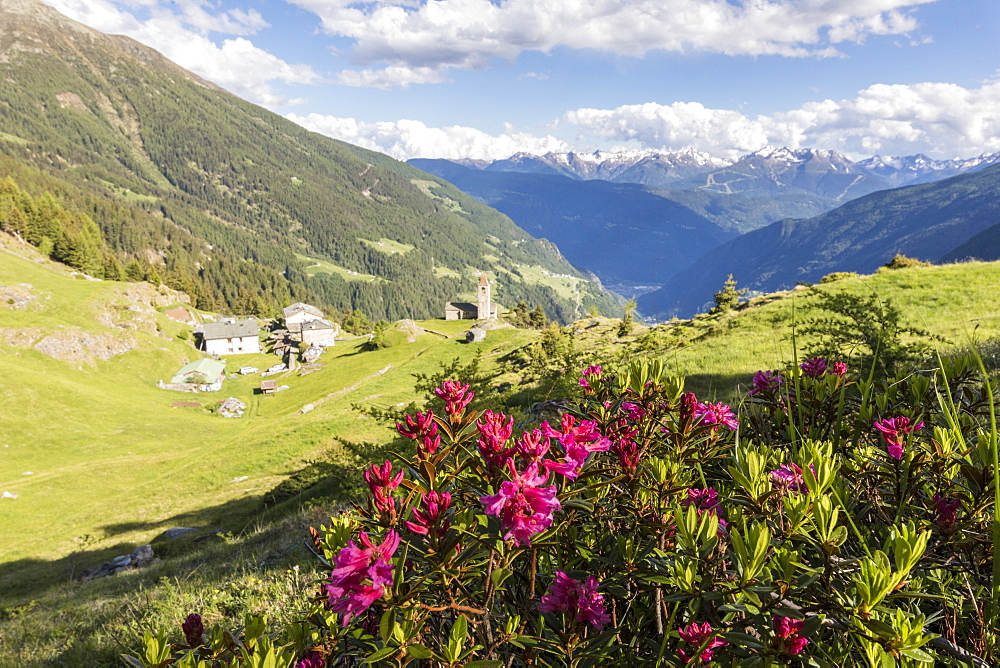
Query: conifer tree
(728, 297)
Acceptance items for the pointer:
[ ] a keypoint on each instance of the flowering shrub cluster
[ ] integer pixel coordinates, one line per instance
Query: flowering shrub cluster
(828, 521)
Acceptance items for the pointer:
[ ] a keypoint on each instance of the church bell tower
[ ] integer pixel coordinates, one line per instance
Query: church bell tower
(485, 303)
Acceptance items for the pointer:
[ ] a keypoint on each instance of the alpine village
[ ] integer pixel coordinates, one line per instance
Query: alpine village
(272, 399)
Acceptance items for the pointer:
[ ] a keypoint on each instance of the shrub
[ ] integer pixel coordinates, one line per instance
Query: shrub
(850, 525)
(838, 276)
(900, 261)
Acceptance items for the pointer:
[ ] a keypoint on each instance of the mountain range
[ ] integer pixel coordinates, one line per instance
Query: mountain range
(625, 233)
(945, 221)
(234, 204)
(770, 169)
(602, 210)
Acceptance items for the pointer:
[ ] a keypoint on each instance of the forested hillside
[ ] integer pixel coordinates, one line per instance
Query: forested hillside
(233, 203)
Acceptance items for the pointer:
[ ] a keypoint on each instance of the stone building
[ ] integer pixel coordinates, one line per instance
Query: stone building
(483, 309)
(318, 332)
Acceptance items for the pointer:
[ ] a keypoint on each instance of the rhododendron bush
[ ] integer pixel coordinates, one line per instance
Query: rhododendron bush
(826, 520)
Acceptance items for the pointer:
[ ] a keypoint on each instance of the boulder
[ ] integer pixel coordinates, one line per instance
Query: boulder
(141, 556)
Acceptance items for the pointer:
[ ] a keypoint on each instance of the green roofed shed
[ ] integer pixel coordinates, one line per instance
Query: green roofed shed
(204, 370)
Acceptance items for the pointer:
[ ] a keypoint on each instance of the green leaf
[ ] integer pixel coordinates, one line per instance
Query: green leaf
(498, 576)
(386, 623)
(880, 628)
(380, 654)
(419, 652)
(484, 664)
(917, 654)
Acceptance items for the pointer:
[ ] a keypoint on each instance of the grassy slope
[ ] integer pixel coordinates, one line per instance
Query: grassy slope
(953, 301)
(113, 463)
(182, 460)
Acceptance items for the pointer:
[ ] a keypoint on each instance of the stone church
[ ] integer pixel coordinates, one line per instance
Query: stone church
(484, 309)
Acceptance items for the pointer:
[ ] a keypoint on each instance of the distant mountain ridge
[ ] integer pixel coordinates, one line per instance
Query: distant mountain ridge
(623, 232)
(817, 171)
(947, 220)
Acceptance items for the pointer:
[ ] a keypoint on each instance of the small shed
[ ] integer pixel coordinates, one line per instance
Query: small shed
(268, 386)
(206, 373)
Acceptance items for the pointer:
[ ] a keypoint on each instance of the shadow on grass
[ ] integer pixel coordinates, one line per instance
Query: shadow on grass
(66, 622)
(726, 387)
(23, 579)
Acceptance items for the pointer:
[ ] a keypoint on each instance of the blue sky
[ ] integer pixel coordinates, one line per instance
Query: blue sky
(487, 78)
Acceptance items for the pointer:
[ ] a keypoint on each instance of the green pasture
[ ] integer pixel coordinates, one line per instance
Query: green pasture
(317, 266)
(102, 459)
(716, 353)
(427, 187)
(565, 286)
(388, 246)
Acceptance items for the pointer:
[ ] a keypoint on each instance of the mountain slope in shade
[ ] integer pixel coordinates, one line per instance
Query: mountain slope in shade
(225, 198)
(929, 222)
(621, 232)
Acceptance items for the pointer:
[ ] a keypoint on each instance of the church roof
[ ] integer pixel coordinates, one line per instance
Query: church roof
(463, 306)
(483, 280)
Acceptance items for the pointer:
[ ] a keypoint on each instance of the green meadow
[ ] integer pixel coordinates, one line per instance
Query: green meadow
(101, 459)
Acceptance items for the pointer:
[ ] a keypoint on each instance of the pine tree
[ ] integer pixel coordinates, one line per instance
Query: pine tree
(728, 297)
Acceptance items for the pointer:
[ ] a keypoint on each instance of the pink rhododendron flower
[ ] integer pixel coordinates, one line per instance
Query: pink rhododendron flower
(705, 500)
(765, 380)
(422, 428)
(311, 660)
(894, 431)
(433, 514)
(688, 405)
(716, 414)
(360, 576)
(814, 366)
(633, 411)
(533, 445)
(381, 482)
(945, 509)
(579, 600)
(697, 635)
(596, 371)
(193, 629)
(628, 453)
(788, 633)
(495, 430)
(522, 504)
(578, 441)
(455, 396)
(789, 476)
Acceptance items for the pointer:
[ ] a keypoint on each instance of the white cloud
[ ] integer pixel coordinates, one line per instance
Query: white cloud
(390, 77)
(407, 139)
(471, 34)
(182, 36)
(941, 119)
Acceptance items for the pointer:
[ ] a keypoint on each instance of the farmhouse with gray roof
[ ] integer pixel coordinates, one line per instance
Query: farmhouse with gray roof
(231, 337)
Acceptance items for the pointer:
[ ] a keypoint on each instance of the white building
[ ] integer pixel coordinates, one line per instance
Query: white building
(231, 337)
(299, 313)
